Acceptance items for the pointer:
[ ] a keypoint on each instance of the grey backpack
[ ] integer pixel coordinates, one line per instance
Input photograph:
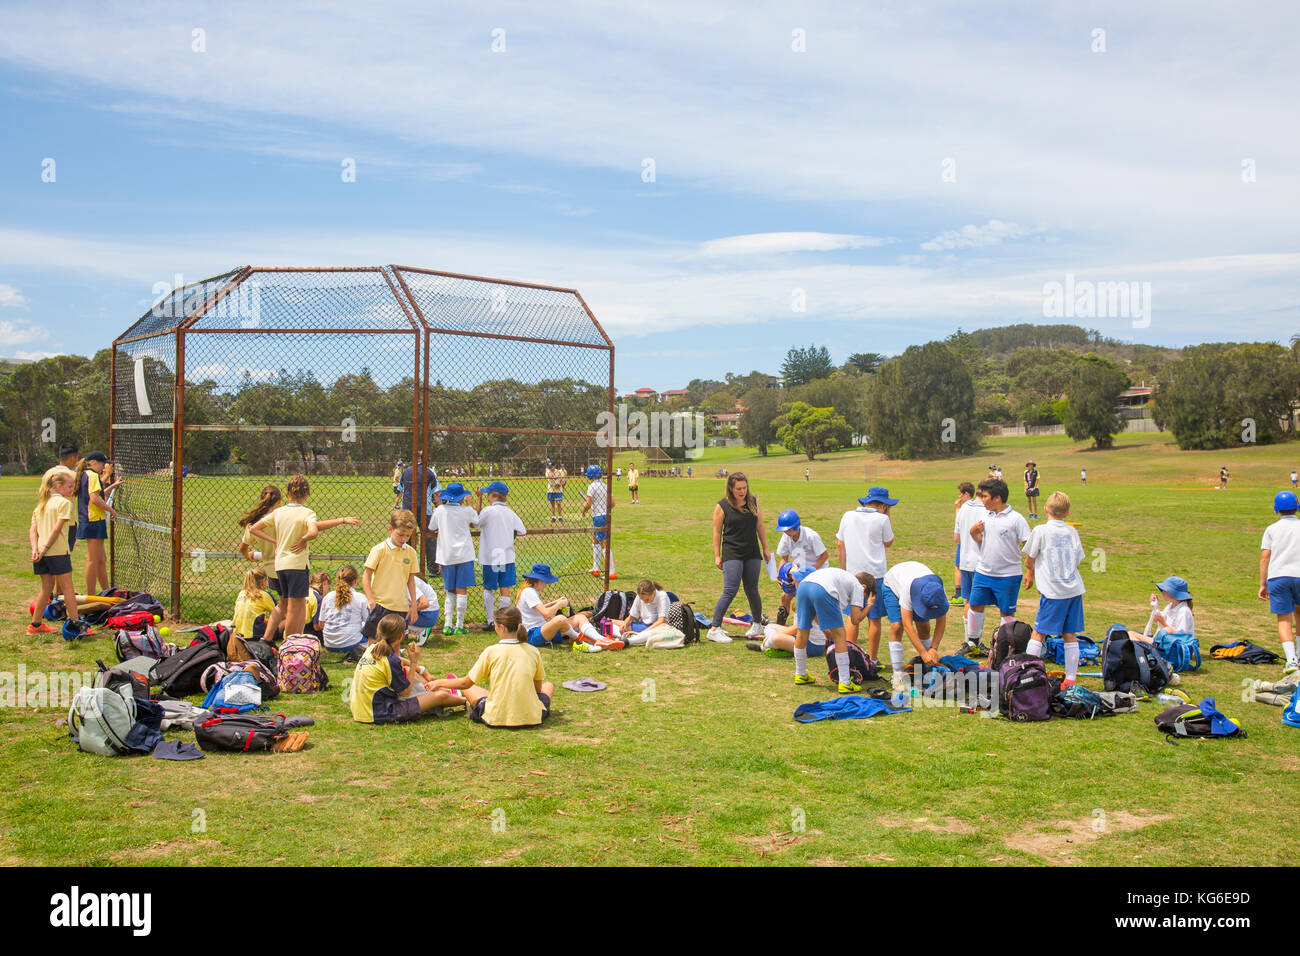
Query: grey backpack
(104, 721)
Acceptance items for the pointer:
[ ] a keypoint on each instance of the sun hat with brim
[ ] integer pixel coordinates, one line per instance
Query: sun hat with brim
(878, 496)
(543, 573)
(929, 598)
(496, 488)
(583, 685)
(454, 492)
(1175, 587)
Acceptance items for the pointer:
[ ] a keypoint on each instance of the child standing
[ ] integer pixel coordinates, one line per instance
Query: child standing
(862, 538)
(343, 616)
(556, 476)
(965, 495)
(389, 578)
(1052, 558)
(251, 601)
(498, 528)
(248, 546)
(382, 684)
(825, 596)
(291, 528)
(1031, 488)
(596, 500)
(999, 534)
(1083, 476)
(452, 521)
(1279, 573)
(92, 514)
(51, 561)
(518, 694)
(633, 483)
(800, 546)
(543, 623)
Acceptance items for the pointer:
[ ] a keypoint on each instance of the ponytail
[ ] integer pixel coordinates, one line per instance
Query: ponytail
(255, 580)
(512, 621)
(269, 499)
(77, 476)
(347, 580)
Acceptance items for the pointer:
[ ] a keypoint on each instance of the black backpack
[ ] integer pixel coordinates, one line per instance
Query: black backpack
(860, 666)
(1127, 664)
(1008, 640)
(682, 616)
(241, 733)
(179, 675)
(124, 676)
(612, 606)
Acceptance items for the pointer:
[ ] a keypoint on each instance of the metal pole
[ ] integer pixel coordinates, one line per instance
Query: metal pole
(609, 477)
(178, 462)
(112, 420)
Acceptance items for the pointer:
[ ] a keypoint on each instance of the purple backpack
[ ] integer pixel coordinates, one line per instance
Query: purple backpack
(141, 642)
(1024, 689)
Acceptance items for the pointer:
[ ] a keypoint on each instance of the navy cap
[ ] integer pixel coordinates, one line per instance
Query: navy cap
(929, 598)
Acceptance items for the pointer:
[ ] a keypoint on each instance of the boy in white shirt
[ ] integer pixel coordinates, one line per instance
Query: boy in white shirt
(453, 521)
(861, 540)
(596, 500)
(913, 596)
(825, 596)
(999, 534)
(498, 528)
(800, 546)
(1052, 558)
(1279, 573)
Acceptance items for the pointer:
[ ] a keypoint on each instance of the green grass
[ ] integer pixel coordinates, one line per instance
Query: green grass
(713, 770)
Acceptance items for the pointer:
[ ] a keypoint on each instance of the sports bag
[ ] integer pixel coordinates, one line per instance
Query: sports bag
(861, 667)
(1078, 702)
(1182, 651)
(179, 674)
(237, 691)
(1200, 720)
(241, 733)
(129, 620)
(614, 605)
(217, 633)
(137, 603)
(125, 678)
(1089, 651)
(251, 649)
(145, 642)
(1116, 702)
(299, 670)
(1008, 640)
(1128, 664)
(113, 724)
(1243, 652)
(682, 616)
(1022, 685)
(264, 676)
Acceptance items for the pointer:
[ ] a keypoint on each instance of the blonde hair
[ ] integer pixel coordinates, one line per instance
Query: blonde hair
(403, 519)
(347, 580)
(57, 475)
(255, 581)
(321, 581)
(1057, 504)
(298, 488)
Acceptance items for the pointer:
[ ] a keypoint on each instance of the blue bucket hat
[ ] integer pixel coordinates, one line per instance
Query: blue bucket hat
(929, 598)
(496, 488)
(878, 496)
(454, 492)
(1175, 587)
(543, 573)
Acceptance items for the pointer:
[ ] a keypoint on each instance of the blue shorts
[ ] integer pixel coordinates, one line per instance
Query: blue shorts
(1003, 592)
(967, 582)
(878, 606)
(1057, 616)
(817, 650)
(536, 639)
(426, 618)
(92, 529)
(555, 496)
(458, 575)
(598, 522)
(1283, 595)
(956, 561)
(815, 602)
(494, 580)
(887, 602)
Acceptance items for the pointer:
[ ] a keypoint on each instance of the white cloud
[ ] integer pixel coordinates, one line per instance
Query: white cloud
(10, 296)
(35, 356)
(769, 243)
(211, 370)
(20, 333)
(992, 233)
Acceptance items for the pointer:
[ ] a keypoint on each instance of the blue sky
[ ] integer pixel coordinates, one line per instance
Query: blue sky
(778, 172)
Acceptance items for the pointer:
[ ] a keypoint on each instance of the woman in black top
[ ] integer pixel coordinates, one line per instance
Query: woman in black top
(739, 551)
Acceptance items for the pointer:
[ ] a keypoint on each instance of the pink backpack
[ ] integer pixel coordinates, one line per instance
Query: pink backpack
(299, 669)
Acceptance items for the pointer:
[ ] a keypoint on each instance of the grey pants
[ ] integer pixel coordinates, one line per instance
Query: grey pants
(733, 574)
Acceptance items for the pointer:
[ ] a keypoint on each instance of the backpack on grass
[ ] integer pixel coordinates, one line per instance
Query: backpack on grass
(1199, 720)
(1008, 640)
(1291, 713)
(242, 733)
(1078, 702)
(113, 724)
(861, 668)
(265, 677)
(682, 616)
(144, 642)
(1127, 664)
(238, 691)
(1243, 652)
(299, 669)
(126, 677)
(1182, 651)
(216, 633)
(1024, 689)
(1089, 650)
(612, 605)
(179, 675)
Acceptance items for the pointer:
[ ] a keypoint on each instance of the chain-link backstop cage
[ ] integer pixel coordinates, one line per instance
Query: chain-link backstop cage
(245, 379)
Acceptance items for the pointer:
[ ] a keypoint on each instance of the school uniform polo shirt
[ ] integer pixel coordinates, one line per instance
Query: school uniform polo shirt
(56, 507)
(391, 568)
(841, 585)
(453, 524)
(289, 523)
(968, 514)
(865, 532)
(1004, 532)
(498, 525)
(1057, 551)
(1282, 541)
(508, 669)
(805, 549)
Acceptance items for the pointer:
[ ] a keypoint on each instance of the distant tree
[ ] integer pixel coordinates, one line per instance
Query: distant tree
(866, 362)
(1206, 397)
(811, 431)
(1093, 395)
(923, 405)
(761, 406)
(804, 365)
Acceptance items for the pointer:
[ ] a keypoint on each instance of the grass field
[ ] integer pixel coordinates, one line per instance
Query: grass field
(691, 756)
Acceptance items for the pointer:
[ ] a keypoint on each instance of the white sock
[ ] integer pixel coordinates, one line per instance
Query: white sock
(1071, 660)
(595, 556)
(489, 605)
(767, 642)
(1288, 647)
(570, 633)
(588, 630)
(462, 601)
(1008, 619)
(635, 639)
(503, 602)
(896, 656)
(974, 626)
(801, 661)
(449, 609)
(842, 666)
(611, 561)
(1035, 647)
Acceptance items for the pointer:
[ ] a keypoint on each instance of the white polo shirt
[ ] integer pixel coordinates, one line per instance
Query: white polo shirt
(599, 495)
(1004, 532)
(453, 524)
(865, 532)
(498, 525)
(805, 549)
(530, 617)
(900, 579)
(968, 514)
(1282, 541)
(1057, 551)
(841, 585)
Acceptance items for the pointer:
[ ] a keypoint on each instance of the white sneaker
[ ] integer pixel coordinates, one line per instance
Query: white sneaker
(1290, 667)
(898, 683)
(755, 630)
(718, 636)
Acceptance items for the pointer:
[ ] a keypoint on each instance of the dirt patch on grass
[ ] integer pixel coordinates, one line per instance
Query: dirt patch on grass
(1065, 837)
(943, 825)
(166, 847)
(505, 857)
(775, 842)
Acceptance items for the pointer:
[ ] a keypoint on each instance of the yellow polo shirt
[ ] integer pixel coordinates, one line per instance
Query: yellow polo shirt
(288, 524)
(94, 487)
(508, 670)
(247, 609)
(56, 508)
(256, 544)
(391, 568)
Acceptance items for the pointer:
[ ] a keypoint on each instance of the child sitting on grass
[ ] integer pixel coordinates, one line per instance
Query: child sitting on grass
(544, 625)
(649, 610)
(518, 694)
(320, 586)
(253, 600)
(1177, 617)
(343, 614)
(382, 686)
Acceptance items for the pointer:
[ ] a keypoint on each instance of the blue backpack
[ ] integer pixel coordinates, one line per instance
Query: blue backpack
(242, 687)
(1291, 713)
(1089, 652)
(1079, 702)
(1182, 651)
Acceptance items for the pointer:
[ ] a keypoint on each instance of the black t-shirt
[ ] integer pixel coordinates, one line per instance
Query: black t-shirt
(1031, 478)
(739, 533)
(408, 484)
